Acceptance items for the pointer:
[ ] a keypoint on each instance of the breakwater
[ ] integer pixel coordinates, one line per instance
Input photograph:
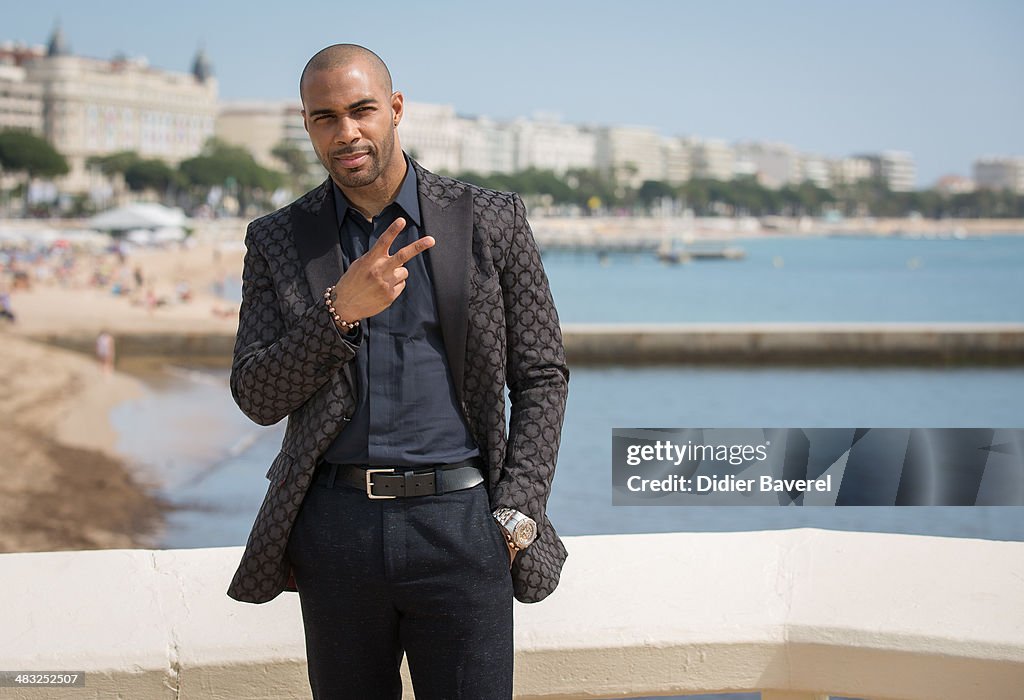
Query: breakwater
(796, 343)
(705, 343)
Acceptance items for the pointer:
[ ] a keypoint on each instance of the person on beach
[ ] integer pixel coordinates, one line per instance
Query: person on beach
(105, 351)
(6, 308)
(383, 314)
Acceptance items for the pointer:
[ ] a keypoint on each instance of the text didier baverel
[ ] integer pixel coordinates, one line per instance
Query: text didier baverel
(728, 484)
(735, 455)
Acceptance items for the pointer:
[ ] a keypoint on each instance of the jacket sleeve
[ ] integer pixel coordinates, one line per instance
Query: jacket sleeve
(279, 362)
(537, 375)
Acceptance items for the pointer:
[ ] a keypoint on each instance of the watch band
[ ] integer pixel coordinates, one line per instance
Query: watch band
(520, 530)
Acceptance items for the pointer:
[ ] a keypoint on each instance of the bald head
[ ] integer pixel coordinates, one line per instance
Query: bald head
(343, 56)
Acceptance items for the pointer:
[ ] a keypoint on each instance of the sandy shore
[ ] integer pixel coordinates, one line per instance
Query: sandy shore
(62, 484)
(77, 307)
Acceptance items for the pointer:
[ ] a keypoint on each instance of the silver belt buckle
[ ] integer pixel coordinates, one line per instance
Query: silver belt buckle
(369, 482)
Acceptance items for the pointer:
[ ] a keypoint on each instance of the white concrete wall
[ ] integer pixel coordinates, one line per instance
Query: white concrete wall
(800, 612)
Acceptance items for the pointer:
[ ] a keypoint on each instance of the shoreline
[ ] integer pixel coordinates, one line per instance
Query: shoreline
(63, 485)
(619, 230)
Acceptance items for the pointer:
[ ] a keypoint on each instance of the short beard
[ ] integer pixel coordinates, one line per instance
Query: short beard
(378, 162)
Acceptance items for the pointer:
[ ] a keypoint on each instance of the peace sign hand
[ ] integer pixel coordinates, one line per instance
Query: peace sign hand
(374, 280)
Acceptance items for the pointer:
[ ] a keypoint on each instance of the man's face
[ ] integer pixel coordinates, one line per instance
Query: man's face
(351, 120)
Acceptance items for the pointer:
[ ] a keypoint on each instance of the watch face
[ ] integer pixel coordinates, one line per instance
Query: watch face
(524, 533)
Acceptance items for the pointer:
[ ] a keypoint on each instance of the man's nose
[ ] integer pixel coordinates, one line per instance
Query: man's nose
(348, 131)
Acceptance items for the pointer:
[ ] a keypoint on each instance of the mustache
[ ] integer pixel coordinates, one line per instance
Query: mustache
(349, 152)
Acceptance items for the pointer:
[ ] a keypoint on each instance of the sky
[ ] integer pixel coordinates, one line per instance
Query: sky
(941, 79)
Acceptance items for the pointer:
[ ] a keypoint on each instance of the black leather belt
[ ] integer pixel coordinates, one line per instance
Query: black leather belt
(402, 482)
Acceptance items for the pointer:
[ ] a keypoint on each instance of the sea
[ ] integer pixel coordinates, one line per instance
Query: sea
(187, 434)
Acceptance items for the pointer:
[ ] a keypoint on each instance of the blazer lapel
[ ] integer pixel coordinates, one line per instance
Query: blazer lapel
(451, 226)
(316, 239)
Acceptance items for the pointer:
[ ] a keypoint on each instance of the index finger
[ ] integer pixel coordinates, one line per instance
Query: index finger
(383, 244)
(410, 251)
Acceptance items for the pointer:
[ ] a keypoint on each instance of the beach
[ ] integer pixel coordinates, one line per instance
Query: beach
(63, 485)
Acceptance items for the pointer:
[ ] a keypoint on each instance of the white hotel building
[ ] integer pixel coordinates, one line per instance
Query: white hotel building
(430, 134)
(21, 101)
(1000, 174)
(548, 144)
(93, 106)
(261, 126)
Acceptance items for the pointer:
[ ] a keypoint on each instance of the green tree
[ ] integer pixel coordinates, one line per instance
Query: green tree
(152, 174)
(295, 161)
(748, 197)
(589, 184)
(652, 191)
(533, 181)
(139, 173)
(114, 163)
(21, 151)
(805, 199)
(234, 168)
(697, 195)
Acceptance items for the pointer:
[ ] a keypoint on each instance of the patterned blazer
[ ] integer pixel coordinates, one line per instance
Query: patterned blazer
(499, 327)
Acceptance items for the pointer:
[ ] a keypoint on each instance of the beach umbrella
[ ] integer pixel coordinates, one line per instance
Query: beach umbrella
(136, 216)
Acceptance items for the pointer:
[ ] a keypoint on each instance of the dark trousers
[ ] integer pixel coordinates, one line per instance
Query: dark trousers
(427, 576)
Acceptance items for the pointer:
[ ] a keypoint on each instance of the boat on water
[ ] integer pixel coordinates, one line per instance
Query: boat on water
(674, 256)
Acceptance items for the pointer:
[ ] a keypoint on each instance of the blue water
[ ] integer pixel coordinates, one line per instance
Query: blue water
(796, 279)
(212, 459)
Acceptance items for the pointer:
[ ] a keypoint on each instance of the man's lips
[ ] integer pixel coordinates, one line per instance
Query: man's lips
(352, 160)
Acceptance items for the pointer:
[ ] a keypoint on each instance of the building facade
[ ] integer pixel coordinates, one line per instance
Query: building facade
(895, 168)
(678, 160)
(260, 127)
(21, 101)
(713, 159)
(93, 107)
(430, 134)
(815, 169)
(775, 165)
(548, 144)
(847, 171)
(1000, 174)
(485, 146)
(630, 154)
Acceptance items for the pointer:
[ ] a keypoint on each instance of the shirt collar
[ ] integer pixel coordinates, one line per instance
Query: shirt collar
(408, 197)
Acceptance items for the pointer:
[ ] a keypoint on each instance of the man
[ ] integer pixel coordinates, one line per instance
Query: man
(383, 313)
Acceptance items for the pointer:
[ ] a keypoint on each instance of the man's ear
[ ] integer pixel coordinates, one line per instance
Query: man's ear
(397, 107)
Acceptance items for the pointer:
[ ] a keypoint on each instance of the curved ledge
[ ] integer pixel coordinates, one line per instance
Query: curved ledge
(799, 613)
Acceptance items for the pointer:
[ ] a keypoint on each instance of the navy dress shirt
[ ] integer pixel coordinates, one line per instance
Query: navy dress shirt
(406, 411)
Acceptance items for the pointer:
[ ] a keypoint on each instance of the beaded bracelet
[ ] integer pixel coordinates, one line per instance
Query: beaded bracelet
(345, 325)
